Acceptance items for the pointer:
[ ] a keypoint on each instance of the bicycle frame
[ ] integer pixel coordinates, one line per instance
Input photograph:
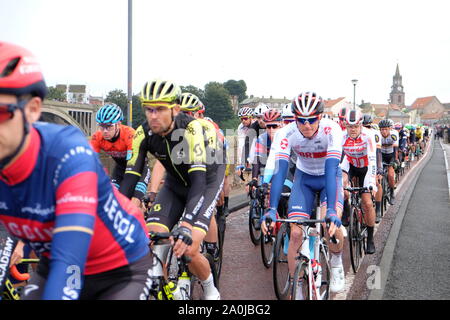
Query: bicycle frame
(310, 228)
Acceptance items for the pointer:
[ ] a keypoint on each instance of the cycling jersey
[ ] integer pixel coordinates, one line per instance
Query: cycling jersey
(361, 153)
(419, 134)
(57, 198)
(318, 157)
(120, 149)
(190, 153)
(243, 147)
(390, 142)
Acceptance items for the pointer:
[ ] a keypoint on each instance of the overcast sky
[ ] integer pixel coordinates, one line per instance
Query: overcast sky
(279, 48)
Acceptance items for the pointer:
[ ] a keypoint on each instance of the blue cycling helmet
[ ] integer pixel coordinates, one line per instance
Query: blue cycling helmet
(109, 113)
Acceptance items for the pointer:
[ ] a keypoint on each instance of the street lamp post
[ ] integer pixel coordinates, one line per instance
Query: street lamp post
(354, 81)
(130, 59)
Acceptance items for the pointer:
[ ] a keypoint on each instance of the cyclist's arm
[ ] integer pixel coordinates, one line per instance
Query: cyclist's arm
(158, 173)
(95, 142)
(75, 185)
(135, 165)
(197, 170)
(396, 143)
(240, 146)
(278, 166)
(334, 153)
(372, 157)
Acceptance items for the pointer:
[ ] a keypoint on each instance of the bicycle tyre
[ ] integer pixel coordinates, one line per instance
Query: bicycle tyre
(324, 289)
(221, 227)
(253, 219)
(353, 237)
(301, 274)
(280, 265)
(267, 250)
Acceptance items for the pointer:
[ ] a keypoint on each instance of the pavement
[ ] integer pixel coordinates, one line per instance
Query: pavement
(416, 254)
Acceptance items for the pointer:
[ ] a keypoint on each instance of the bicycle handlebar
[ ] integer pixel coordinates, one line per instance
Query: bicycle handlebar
(309, 222)
(358, 189)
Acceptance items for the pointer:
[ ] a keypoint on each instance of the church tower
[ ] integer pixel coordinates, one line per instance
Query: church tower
(397, 95)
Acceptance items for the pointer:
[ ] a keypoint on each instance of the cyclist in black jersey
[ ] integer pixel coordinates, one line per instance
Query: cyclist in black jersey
(190, 153)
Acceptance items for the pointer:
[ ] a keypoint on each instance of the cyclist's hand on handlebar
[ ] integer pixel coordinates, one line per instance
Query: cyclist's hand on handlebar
(268, 220)
(335, 222)
(252, 184)
(182, 238)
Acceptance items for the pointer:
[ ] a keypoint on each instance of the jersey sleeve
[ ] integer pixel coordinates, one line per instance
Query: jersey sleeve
(197, 170)
(334, 152)
(75, 183)
(95, 141)
(136, 164)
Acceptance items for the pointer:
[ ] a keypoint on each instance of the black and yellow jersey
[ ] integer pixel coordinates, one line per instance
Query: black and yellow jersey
(192, 146)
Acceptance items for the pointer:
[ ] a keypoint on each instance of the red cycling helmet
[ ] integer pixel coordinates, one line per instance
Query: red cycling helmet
(272, 115)
(20, 73)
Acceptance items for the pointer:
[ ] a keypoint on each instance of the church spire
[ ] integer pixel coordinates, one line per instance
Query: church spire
(397, 72)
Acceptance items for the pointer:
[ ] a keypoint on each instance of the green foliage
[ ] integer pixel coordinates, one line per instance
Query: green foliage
(194, 90)
(232, 123)
(218, 103)
(57, 94)
(118, 97)
(236, 88)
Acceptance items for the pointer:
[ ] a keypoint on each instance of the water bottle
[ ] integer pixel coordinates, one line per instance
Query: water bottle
(184, 283)
(175, 291)
(317, 271)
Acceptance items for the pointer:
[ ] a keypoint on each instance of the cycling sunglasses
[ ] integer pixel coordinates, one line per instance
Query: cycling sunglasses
(310, 120)
(245, 118)
(287, 121)
(272, 126)
(7, 109)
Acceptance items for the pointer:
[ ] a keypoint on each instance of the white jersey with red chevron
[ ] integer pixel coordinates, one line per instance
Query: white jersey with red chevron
(312, 153)
(360, 151)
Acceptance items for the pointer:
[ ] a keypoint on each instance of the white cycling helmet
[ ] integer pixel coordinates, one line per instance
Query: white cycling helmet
(353, 117)
(286, 112)
(245, 112)
(260, 110)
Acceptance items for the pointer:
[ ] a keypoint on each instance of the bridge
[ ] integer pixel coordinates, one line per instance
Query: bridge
(79, 115)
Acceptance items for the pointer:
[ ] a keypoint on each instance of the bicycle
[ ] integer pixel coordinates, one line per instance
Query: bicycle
(9, 292)
(256, 211)
(315, 285)
(386, 188)
(357, 228)
(169, 273)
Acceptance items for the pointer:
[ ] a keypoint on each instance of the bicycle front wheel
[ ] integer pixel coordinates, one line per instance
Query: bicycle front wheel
(300, 284)
(254, 225)
(353, 237)
(280, 263)
(267, 248)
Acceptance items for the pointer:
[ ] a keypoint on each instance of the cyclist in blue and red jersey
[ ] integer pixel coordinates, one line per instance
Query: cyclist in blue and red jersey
(56, 197)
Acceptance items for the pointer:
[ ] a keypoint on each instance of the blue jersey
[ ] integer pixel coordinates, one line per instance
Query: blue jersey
(57, 198)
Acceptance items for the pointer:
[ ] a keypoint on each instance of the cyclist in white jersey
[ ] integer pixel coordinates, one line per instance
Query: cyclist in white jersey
(360, 162)
(245, 114)
(389, 151)
(318, 145)
(367, 123)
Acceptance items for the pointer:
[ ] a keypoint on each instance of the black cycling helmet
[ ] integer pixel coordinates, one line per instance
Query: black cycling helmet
(367, 120)
(385, 123)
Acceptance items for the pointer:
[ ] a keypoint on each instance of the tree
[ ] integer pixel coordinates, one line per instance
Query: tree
(218, 103)
(194, 90)
(138, 113)
(57, 94)
(236, 88)
(118, 97)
